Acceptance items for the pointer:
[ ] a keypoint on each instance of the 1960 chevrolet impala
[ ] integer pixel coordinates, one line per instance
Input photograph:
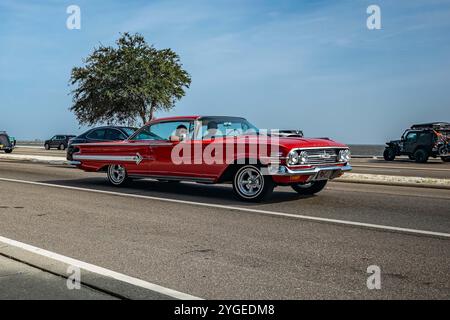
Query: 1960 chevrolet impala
(218, 150)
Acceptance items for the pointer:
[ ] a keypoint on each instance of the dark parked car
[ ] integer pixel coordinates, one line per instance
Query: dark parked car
(420, 142)
(7, 143)
(59, 141)
(101, 134)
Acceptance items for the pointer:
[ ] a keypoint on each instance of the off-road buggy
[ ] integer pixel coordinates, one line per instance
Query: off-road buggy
(7, 143)
(420, 142)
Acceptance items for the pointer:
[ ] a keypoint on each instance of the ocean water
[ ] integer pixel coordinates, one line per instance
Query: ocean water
(366, 149)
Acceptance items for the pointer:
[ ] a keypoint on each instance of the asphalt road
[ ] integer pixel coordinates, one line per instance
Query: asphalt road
(402, 166)
(223, 252)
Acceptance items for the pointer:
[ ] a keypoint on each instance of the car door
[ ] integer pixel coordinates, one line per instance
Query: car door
(410, 142)
(164, 162)
(57, 142)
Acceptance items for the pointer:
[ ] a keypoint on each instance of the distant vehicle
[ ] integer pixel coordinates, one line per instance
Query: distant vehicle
(420, 142)
(7, 143)
(59, 141)
(289, 133)
(101, 134)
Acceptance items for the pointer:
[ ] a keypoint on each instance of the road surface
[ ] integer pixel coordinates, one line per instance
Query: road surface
(199, 240)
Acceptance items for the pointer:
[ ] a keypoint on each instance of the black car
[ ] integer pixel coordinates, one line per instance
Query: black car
(420, 142)
(59, 141)
(101, 134)
(7, 144)
(289, 133)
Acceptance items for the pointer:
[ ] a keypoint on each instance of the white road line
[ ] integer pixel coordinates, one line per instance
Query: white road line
(265, 212)
(99, 270)
(402, 168)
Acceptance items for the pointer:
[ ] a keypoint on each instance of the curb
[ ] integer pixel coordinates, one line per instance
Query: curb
(394, 184)
(37, 159)
(98, 282)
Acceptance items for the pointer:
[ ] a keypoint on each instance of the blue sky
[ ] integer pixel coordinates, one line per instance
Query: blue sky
(312, 65)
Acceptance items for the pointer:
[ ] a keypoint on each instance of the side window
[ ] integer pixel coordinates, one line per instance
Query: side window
(114, 134)
(98, 134)
(411, 137)
(163, 130)
(167, 129)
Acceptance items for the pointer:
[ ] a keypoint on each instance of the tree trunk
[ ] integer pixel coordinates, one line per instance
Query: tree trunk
(152, 110)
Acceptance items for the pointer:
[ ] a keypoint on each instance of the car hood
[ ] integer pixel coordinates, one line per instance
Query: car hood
(394, 142)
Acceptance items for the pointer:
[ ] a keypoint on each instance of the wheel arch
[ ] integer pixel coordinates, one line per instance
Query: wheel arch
(229, 172)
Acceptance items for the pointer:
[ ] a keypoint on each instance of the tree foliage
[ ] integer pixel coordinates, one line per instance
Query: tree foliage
(123, 84)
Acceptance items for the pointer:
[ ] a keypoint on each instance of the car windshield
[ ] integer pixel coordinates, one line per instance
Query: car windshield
(224, 127)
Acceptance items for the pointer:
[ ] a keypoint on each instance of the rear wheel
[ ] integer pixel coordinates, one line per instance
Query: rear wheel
(8, 151)
(117, 175)
(446, 159)
(310, 188)
(421, 156)
(389, 154)
(411, 157)
(251, 185)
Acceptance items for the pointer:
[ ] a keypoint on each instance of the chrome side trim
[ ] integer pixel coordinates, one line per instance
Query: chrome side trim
(137, 158)
(173, 178)
(319, 148)
(106, 144)
(74, 163)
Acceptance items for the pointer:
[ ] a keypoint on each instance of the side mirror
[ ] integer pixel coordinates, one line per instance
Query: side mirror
(183, 137)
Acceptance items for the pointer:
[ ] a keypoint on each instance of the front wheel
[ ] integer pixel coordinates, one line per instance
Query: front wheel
(310, 188)
(445, 159)
(62, 147)
(250, 184)
(47, 146)
(8, 151)
(389, 154)
(117, 175)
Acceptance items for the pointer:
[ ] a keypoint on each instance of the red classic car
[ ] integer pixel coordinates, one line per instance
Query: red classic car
(218, 150)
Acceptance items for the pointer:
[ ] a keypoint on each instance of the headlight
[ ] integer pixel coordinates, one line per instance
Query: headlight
(297, 158)
(303, 157)
(344, 155)
(292, 158)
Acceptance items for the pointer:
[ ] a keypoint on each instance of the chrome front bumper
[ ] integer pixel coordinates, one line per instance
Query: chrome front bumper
(285, 171)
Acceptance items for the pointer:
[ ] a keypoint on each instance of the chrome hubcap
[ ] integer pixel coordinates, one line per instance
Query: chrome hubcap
(250, 182)
(117, 173)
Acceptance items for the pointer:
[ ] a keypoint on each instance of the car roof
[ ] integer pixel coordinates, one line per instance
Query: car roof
(181, 118)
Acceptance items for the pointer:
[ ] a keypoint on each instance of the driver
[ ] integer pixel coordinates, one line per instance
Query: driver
(211, 130)
(181, 133)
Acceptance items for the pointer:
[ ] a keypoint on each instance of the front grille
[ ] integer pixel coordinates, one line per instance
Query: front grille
(322, 156)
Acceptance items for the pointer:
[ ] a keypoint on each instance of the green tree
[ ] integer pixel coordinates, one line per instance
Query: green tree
(123, 84)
